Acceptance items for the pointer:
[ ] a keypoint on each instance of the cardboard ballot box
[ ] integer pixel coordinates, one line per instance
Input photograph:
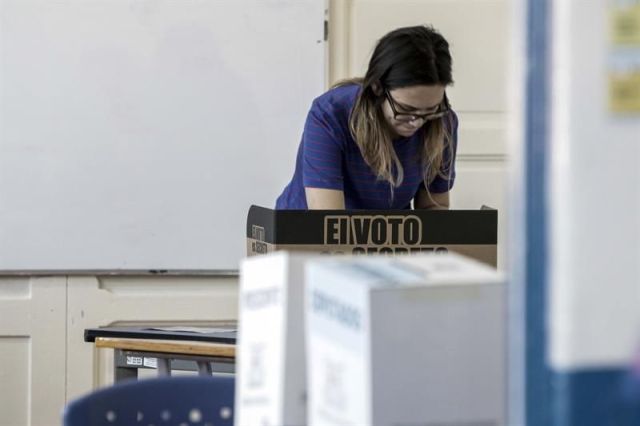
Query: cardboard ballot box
(270, 358)
(473, 233)
(410, 340)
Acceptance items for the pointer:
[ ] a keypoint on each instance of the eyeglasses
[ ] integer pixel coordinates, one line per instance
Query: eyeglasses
(405, 117)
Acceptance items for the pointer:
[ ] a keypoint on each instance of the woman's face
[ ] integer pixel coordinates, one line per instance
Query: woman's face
(400, 105)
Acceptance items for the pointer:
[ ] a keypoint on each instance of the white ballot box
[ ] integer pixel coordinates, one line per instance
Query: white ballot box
(412, 340)
(270, 358)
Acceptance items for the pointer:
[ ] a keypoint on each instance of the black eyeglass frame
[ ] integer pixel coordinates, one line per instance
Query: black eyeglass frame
(443, 108)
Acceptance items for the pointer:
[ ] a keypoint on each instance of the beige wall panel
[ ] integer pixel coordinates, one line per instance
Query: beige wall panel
(467, 193)
(481, 182)
(32, 350)
(102, 301)
(15, 372)
(338, 46)
(481, 134)
(476, 30)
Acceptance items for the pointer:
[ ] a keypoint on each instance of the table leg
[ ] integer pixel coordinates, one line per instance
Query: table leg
(123, 370)
(164, 367)
(204, 368)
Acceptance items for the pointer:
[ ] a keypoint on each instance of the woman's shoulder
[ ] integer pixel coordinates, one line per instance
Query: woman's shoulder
(453, 116)
(451, 120)
(338, 98)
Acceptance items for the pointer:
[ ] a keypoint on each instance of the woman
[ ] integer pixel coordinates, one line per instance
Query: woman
(383, 141)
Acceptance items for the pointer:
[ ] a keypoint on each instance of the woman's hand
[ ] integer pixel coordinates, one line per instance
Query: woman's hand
(433, 201)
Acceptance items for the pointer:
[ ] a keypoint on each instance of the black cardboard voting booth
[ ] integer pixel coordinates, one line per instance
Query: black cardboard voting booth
(473, 233)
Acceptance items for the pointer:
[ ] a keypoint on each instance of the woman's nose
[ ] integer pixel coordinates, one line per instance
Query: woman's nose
(417, 122)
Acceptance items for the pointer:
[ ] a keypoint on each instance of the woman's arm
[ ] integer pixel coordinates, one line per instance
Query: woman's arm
(433, 201)
(324, 199)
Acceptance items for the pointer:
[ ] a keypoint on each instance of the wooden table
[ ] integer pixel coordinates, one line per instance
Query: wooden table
(165, 355)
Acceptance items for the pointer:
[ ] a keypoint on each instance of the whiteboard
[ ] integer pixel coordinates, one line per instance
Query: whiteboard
(135, 134)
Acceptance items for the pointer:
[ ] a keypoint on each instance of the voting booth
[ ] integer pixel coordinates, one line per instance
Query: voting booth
(473, 233)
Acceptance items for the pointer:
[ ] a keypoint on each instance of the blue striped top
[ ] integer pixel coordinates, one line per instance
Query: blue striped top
(329, 158)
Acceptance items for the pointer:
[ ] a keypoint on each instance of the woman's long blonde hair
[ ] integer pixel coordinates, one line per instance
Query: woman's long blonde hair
(405, 57)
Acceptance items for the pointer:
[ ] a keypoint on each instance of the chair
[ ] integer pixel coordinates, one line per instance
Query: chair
(179, 401)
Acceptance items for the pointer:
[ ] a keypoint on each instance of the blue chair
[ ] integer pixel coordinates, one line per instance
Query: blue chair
(179, 401)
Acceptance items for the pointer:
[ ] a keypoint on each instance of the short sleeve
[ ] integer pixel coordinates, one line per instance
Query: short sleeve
(443, 182)
(322, 150)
